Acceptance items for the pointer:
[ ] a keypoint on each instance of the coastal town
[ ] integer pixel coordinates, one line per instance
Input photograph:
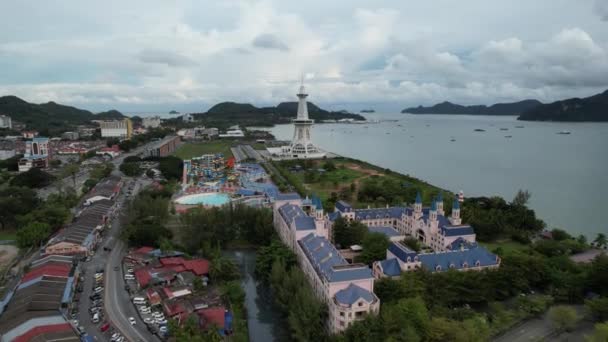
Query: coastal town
(132, 260)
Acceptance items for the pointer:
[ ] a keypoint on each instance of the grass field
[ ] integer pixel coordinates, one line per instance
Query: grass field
(508, 246)
(190, 150)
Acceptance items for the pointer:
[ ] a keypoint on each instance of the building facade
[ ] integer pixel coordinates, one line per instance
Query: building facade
(164, 147)
(122, 129)
(37, 154)
(151, 122)
(6, 122)
(347, 289)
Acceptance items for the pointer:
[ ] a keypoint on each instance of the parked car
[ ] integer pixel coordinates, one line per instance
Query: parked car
(149, 320)
(105, 327)
(132, 321)
(81, 330)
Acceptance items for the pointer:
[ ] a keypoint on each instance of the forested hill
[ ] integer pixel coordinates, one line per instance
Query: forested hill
(514, 108)
(284, 112)
(593, 108)
(50, 118)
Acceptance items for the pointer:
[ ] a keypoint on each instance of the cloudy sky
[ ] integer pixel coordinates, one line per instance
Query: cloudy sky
(148, 55)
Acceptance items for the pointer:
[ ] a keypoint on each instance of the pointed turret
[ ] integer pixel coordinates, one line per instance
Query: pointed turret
(439, 201)
(455, 219)
(433, 211)
(418, 204)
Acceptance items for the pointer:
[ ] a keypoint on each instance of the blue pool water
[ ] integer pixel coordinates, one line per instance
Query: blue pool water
(210, 199)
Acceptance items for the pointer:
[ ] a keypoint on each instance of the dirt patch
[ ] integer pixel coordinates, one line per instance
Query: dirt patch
(7, 255)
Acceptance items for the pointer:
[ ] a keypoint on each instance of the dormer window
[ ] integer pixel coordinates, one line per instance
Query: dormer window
(452, 266)
(477, 263)
(438, 268)
(409, 259)
(465, 264)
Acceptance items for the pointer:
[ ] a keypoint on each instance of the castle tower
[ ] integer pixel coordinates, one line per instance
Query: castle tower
(439, 201)
(433, 211)
(301, 144)
(455, 219)
(418, 206)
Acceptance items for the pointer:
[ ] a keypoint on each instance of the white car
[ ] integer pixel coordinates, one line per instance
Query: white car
(144, 309)
(132, 320)
(148, 320)
(129, 270)
(161, 321)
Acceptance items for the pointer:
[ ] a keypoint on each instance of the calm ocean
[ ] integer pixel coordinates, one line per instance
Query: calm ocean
(566, 174)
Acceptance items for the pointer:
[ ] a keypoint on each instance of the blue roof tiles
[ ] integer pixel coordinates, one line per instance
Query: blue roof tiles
(304, 223)
(316, 201)
(288, 196)
(402, 252)
(443, 261)
(439, 197)
(328, 263)
(378, 213)
(388, 231)
(455, 204)
(352, 294)
(390, 267)
(418, 197)
(457, 230)
(343, 206)
(294, 214)
(334, 216)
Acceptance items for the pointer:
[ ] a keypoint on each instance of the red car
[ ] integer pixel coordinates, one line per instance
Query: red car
(105, 327)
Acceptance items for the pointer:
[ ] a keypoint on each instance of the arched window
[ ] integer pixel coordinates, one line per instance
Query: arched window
(452, 266)
(409, 259)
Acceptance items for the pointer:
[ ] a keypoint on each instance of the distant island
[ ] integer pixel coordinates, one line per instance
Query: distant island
(173, 112)
(514, 108)
(367, 111)
(50, 118)
(593, 108)
(249, 115)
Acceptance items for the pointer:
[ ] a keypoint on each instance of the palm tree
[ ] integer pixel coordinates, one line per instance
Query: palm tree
(600, 241)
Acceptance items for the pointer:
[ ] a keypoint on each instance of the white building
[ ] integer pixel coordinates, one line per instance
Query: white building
(301, 146)
(347, 289)
(151, 122)
(122, 129)
(233, 133)
(6, 122)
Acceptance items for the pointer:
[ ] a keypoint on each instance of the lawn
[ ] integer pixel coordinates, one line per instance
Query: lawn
(190, 150)
(508, 246)
(8, 235)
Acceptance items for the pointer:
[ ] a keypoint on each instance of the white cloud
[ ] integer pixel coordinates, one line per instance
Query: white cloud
(256, 51)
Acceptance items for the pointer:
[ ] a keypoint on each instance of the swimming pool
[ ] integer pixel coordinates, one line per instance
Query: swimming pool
(215, 199)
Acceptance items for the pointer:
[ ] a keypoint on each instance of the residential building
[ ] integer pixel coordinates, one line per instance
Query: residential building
(233, 133)
(122, 129)
(70, 135)
(163, 147)
(86, 131)
(113, 151)
(37, 154)
(33, 311)
(29, 134)
(151, 122)
(6, 122)
(347, 289)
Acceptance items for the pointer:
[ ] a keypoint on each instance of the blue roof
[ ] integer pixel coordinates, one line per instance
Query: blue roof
(401, 251)
(316, 201)
(434, 204)
(457, 230)
(388, 231)
(304, 223)
(462, 243)
(390, 267)
(378, 213)
(294, 214)
(439, 197)
(457, 259)
(456, 204)
(245, 192)
(352, 294)
(67, 292)
(418, 197)
(288, 196)
(343, 206)
(334, 216)
(328, 263)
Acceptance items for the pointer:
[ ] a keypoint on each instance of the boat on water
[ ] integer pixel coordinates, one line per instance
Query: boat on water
(519, 126)
(479, 130)
(504, 129)
(508, 136)
(563, 132)
(452, 139)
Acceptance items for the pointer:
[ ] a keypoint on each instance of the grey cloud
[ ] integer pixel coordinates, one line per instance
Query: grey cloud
(269, 41)
(601, 8)
(170, 58)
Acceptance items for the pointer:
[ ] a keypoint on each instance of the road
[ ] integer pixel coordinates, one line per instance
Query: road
(117, 300)
(536, 329)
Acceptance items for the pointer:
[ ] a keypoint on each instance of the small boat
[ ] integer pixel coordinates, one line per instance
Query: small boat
(479, 130)
(508, 136)
(452, 139)
(563, 132)
(399, 125)
(519, 126)
(428, 125)
(504, 129)
(388, 132)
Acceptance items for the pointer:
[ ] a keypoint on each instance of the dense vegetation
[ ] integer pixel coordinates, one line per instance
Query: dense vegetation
(514, 108)
(306, 315)
(33, 178)
(225, 114)
(593, 108)
(49, 118)
(147, 216)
